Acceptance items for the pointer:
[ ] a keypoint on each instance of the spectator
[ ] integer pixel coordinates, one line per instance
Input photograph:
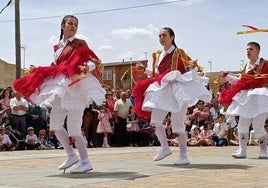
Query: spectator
(5, 142)
(5, 101)
(133, 128)
(200, 114)
(220, 132)
(43, 140)
(19, 107)
(121, 111)
(104, 126)
(34, 117)
(214, 110)
(31, 140)
(234, 141)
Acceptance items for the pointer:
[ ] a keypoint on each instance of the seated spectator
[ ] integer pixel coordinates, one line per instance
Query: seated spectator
(200, 114)
(171, 137)
(220, 132)
(5, 142)
(205, 137)
(194, 136)
(31, 141)
(44, 142)
(53, 139)
(234, 141)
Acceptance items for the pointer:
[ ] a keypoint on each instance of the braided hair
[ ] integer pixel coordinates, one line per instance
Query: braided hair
(64, 21)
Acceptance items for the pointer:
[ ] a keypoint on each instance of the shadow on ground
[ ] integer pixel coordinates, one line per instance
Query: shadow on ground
(111, 175)
(209, 166)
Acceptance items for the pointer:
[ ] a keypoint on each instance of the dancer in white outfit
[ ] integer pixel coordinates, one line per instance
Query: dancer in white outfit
(248, 99)
(173, 86)
(69, 84)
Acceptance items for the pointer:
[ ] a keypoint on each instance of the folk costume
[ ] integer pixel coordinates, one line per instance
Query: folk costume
(248, 99)
(172, 88)
(69, 91)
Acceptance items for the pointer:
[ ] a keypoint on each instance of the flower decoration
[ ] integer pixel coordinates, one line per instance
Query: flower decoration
(56, 47)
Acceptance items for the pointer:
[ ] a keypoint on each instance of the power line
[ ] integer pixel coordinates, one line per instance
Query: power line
(99, 11)
(6, 6)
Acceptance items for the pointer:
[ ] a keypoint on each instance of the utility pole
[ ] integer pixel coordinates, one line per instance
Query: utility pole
(131, 77)
(17, 39)
(210, 65)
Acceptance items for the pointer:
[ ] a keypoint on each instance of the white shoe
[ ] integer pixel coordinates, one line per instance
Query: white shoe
(164, 153)
(82, 167)
(71, 160)
(239, 155)
(182, 160)
(263, 155)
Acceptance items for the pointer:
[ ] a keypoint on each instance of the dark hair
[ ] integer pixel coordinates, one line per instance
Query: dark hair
(255, 44)
(171, 33)
(3, 93)
(65, 18)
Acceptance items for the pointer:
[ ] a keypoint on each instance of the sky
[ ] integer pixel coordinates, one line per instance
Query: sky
(127, 30)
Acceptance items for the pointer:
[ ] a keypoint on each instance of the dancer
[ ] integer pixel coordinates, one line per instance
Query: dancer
(69, 84)
(174, 85)
(248, 99)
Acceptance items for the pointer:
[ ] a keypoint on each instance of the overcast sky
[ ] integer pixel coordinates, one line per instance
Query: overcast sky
(124, 29)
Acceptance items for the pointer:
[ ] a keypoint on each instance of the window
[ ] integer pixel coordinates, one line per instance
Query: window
(107, 75)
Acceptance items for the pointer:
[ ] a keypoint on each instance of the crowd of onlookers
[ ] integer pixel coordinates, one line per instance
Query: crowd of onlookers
(25, 125)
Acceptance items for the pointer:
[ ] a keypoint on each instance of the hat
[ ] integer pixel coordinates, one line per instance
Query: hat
(30, 128)
(2, 127)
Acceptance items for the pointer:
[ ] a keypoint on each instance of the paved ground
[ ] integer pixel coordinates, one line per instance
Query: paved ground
(133, 167)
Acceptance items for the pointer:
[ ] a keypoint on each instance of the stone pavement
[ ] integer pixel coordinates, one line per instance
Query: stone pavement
(133, 167)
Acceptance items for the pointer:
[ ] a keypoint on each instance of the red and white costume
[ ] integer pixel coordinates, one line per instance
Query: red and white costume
(170, 89)
(248, 99)
(50, 85)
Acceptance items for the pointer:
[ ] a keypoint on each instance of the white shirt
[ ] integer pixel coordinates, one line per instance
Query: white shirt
(5, 139)
(14, 102)
(250, 66)
(122, 108)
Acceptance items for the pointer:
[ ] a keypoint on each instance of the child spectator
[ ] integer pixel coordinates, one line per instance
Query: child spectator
(44, 142)
(5, 142)
(31, 141)
(53, 139)
(205, 136)
(194, 136)
(133, 128)
(104, 126)
(220, 132)
(234, 141)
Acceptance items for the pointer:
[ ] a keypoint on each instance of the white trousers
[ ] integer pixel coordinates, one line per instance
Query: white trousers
(177, 119)
(58, 115)
(257, 124)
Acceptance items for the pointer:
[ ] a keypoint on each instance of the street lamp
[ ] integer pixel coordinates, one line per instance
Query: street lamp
(210, 65)
(145, 54)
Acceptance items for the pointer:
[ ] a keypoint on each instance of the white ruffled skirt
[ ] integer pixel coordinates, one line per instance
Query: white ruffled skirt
(74, 97)
(176, 91)
(249, 103)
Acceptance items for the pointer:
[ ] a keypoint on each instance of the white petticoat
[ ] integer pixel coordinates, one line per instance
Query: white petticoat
(249, 103)
(74, 97)
(176, 91)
